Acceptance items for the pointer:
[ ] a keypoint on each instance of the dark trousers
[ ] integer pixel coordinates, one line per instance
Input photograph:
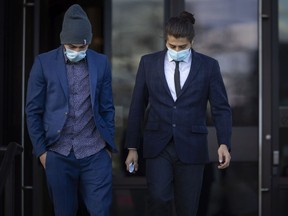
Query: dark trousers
(169, 180)
(91, 178)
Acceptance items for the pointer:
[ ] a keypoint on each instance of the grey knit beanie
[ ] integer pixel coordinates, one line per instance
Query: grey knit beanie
(76, 27)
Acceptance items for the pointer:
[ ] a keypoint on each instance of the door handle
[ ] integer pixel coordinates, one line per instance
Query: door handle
(276, 157)
(265, 189)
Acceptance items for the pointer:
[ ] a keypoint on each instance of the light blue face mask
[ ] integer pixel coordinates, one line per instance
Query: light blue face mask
(75, 56)
(178, 56)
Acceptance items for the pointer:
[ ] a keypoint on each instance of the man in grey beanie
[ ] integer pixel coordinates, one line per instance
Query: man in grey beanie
(70, 119)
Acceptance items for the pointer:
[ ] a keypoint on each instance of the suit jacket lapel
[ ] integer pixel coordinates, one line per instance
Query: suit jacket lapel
(61, 70)
(160, 66)
(92, 70)
(195, 65)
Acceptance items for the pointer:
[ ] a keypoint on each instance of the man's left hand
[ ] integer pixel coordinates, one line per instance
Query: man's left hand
(224, 156)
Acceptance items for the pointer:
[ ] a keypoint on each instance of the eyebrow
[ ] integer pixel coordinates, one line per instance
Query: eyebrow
(172, 45)
(75, 46)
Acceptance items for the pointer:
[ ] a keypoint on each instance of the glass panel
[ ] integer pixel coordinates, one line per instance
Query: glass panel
(230, 192)
(227, 31)
(283, 87)
(283, 48)
(282, 198)
(129, 202)
(137, 28)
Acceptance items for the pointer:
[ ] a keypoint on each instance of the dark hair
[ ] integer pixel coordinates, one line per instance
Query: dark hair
(181, 26)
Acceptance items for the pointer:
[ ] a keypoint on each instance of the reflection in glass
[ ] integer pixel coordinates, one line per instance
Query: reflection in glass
(136, 30)
(283, 87)
(227, 31)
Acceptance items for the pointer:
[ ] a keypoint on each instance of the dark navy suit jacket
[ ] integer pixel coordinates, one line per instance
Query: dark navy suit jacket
(47, 98)
(183, 120)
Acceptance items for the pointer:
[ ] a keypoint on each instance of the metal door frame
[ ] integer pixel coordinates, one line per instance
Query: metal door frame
(268, 79)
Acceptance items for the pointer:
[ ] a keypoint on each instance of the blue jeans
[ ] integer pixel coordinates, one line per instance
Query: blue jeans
(91, 178)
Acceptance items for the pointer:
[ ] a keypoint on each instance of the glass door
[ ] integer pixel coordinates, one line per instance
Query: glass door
(280, 148)
(228, 31)
(137, 29)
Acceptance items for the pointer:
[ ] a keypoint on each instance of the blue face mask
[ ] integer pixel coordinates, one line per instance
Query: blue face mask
(178, 56)
(75, 56)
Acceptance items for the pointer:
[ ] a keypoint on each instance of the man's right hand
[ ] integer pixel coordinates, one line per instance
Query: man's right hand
(132, 157)
(42, 159)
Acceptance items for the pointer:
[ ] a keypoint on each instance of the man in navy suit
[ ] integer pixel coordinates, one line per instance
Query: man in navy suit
(70, 119)
(169, 101)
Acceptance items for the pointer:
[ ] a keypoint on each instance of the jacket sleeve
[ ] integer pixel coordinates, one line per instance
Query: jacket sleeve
(220, 108)
(35, 100)
(137, 109)
(106, 104)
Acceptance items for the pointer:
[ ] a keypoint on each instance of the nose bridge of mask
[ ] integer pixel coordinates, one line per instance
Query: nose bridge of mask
(75, 56)
(71, 52)
(178, 55)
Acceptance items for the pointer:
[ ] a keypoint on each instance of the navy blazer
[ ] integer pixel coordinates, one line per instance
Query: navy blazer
(47, 98)
(183, 120)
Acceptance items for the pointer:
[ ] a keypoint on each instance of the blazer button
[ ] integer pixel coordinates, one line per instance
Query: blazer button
(174, 125)
(66, 113)
(174, 107)
(58, 131)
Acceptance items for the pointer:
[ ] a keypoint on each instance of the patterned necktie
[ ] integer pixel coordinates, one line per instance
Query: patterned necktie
(177, 79)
